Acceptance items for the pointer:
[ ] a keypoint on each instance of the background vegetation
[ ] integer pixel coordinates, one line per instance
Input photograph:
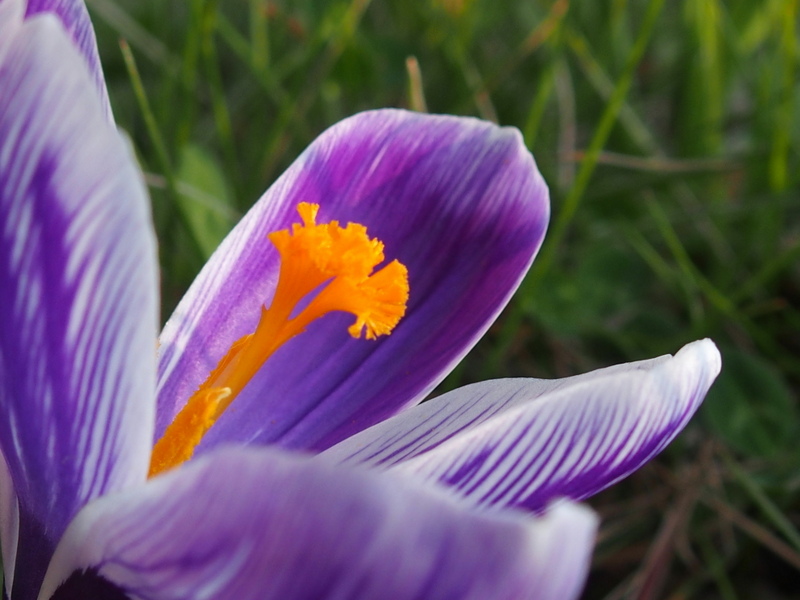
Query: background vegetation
(669, 135)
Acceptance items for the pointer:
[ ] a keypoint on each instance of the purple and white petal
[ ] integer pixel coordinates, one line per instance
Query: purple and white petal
(426, 426)
(75, 18)
(458, 201)
(261, 524)
(77, 290)
(522, 442)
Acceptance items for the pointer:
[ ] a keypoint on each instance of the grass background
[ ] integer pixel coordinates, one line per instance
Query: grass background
(669, 135)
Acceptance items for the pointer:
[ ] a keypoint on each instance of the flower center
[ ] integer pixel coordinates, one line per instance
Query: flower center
(336, 262)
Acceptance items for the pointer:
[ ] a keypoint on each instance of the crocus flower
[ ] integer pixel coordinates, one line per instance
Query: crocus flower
(321, 476)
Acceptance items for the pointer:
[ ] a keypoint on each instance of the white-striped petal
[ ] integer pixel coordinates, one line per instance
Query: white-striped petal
(524, 442)
(77, 289)
(264, 524)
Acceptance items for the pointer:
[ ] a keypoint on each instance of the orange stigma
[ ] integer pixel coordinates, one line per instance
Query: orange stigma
(335, 262)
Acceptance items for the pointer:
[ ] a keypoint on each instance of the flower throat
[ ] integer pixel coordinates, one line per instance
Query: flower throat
(335, 261)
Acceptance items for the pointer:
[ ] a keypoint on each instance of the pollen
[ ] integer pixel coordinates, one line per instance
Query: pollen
(333, 267)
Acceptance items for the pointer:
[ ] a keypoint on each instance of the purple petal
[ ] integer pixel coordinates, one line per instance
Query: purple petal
(75, 18)
(78, 291)
(459, 201)
(265, 524)
(522, 442)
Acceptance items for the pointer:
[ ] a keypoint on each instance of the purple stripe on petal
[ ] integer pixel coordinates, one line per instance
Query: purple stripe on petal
(75, 18)
(78, 295)
(459, 201)
(262, 524)
(508, 443)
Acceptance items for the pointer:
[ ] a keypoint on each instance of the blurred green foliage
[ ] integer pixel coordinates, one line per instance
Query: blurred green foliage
(669, 135)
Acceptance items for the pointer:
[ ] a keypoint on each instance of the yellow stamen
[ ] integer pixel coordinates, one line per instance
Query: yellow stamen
(336, 262)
